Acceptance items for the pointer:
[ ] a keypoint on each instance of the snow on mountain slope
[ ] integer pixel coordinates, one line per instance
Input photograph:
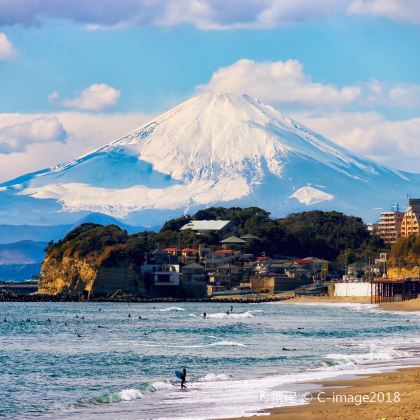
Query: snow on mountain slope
(213, 149)
(309, 195)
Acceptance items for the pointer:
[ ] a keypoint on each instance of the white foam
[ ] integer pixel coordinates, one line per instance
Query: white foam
(172, 308)
(194, 346)
(211, 377)
(130, 394)
(162, 385)
(224, 315)
(377, 353)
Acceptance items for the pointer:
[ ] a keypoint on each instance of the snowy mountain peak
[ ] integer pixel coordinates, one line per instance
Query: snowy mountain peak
(221, 148)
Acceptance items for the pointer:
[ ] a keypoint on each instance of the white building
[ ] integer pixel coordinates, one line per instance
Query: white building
(161, 274)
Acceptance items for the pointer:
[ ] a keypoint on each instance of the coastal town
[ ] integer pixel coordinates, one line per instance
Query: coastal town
(231, 266)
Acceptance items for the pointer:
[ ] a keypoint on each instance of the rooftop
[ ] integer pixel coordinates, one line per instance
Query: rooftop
(205, 225)
(233, 240)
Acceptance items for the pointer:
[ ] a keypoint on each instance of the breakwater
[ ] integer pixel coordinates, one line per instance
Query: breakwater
(7, 296)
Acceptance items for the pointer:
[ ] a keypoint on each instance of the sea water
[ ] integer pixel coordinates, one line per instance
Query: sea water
(94, 361)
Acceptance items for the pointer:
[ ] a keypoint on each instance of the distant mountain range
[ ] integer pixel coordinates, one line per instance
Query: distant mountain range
(214, 149)
(21, 260)
(15, 233)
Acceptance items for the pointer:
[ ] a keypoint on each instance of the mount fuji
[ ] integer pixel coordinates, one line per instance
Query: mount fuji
(213, 149)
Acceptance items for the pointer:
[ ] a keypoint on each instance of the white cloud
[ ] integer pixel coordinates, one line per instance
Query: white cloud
(203, 14)
(17, 137)
(393, 143)
(96, 97)
(85, 132)
(401, 94)
(279, 82)
(285, 84)
(7, 50)
(401, 10)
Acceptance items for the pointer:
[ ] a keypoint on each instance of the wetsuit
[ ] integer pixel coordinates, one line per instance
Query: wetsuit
(183, 378)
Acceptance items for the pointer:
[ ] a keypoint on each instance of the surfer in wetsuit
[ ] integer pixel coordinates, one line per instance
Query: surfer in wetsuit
(183, 378)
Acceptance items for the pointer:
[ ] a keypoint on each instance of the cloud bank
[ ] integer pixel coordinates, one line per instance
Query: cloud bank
(400, 10)
(203, 14)
(284, 83)
(17, 137)
(42, 141)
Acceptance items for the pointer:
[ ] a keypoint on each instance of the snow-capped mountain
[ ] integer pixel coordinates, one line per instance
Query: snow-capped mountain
(213, 149)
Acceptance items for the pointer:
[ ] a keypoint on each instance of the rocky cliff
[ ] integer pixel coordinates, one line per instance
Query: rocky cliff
(92, 259)
(74, 276)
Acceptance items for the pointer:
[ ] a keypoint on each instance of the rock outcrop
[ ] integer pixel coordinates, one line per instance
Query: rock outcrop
(93, 260)
(74, 276)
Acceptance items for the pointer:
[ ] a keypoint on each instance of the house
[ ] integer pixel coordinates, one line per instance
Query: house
(227, 275)
(189, 255)
(161, 256)
(219, 257)
(193, 280)
(161, 279)
(250, 238)
(276, 283)
(171, 251)
(232, 240)
(206, 226)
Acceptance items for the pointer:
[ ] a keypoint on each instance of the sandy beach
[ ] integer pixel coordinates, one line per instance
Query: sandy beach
(400, 391)
(406, 382)
(408, 305)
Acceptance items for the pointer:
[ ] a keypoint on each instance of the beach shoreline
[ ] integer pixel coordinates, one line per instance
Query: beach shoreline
(412, 305)
(337, 397)
(389, 395)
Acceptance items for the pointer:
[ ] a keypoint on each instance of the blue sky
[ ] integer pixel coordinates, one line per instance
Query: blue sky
(149, 65)
(347, 68)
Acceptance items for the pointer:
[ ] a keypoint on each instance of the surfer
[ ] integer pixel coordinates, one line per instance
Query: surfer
(204, 315)
(183, 378)
(227, 312)
(231, 308)
(139, 317)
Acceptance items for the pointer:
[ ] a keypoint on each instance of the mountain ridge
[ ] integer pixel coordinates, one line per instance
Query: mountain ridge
(213, 149)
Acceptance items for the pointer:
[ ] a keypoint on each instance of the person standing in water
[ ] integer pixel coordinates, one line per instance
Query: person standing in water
(183, 378)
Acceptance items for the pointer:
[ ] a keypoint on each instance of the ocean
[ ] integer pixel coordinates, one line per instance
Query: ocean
(94, 361)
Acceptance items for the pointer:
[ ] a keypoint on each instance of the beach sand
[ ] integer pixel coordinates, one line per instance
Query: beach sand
(408, 305)
(405, 381)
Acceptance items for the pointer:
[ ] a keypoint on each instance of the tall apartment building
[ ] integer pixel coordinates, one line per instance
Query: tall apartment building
(410, 224)
(389, 226)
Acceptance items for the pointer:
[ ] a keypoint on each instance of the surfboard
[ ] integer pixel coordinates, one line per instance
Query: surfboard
(178, 374)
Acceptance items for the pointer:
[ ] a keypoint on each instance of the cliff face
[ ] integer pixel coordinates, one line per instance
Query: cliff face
(72, 275)
(398, 273)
